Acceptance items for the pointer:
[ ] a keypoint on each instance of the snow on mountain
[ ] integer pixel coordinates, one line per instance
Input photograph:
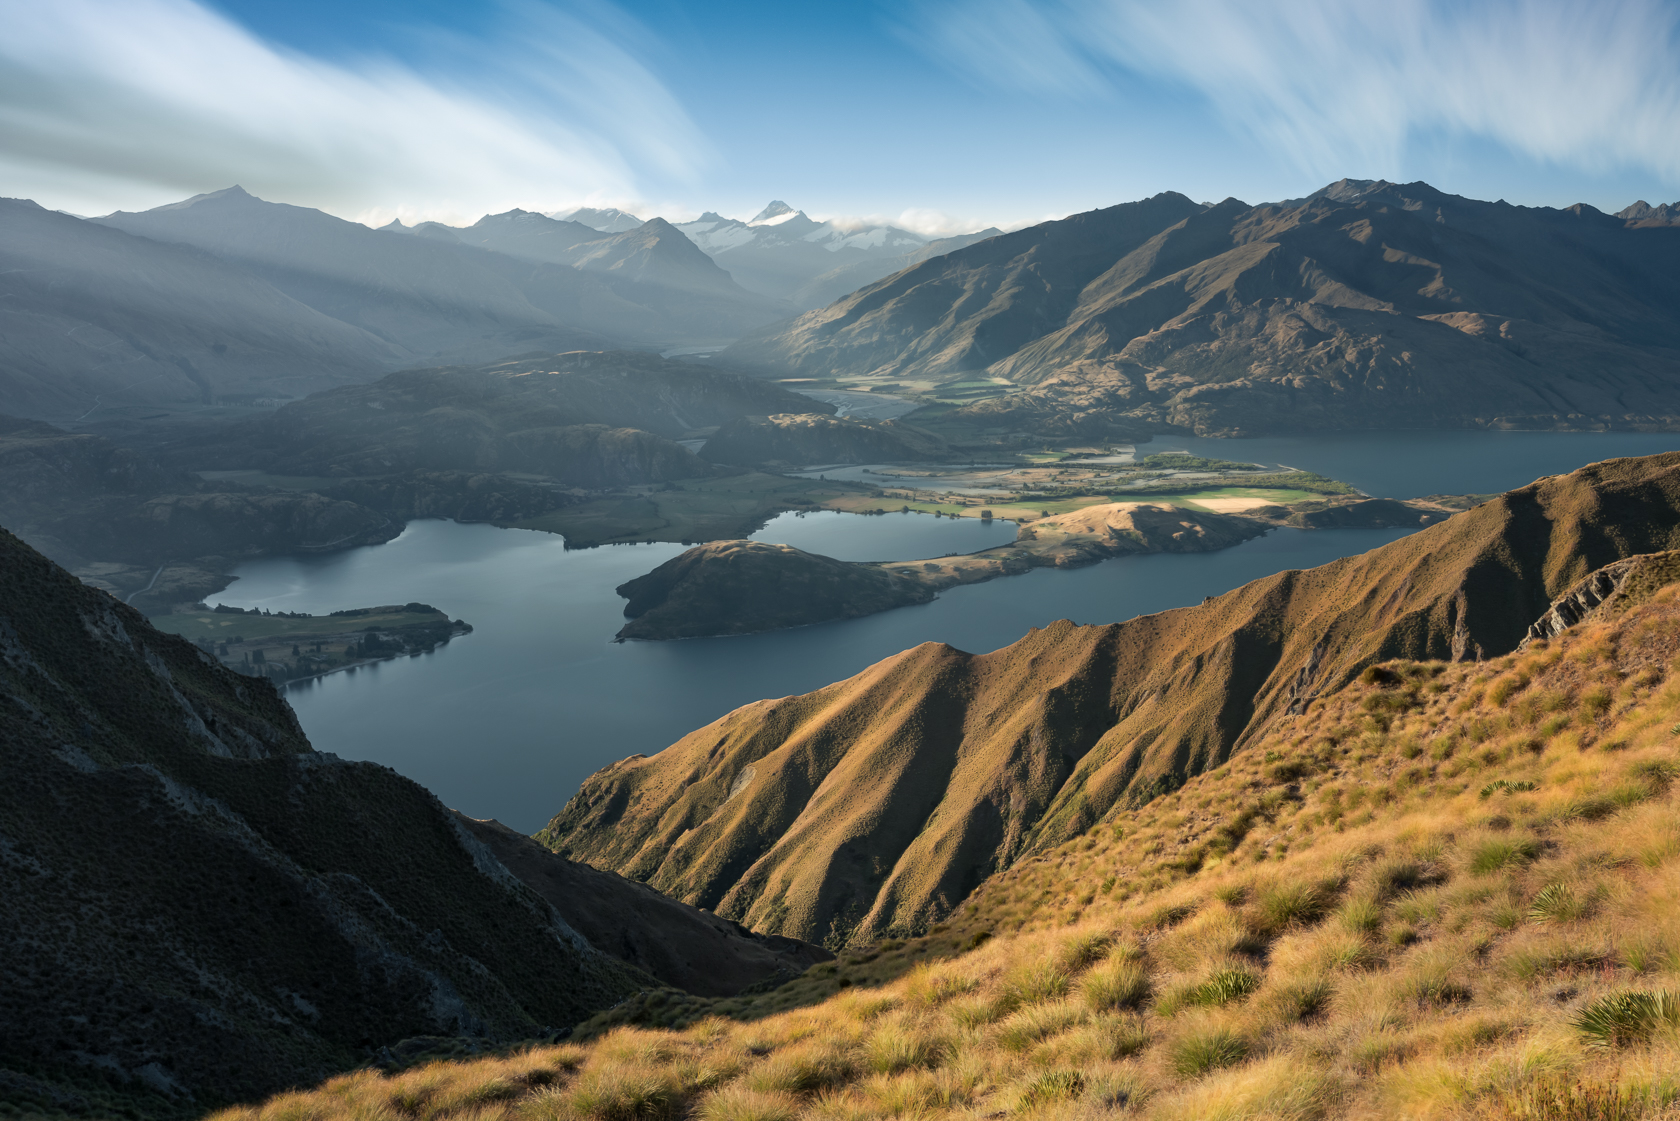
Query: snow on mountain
(609, 219)
(783, 250)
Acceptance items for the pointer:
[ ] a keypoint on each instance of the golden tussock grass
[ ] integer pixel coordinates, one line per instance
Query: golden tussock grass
(1448, 891)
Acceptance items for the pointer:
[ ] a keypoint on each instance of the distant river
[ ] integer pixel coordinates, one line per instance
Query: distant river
(506, 722)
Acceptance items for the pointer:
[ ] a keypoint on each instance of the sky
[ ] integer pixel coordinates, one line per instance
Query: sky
(938, 115)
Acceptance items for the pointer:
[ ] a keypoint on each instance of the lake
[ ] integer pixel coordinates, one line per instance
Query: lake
(506, 722)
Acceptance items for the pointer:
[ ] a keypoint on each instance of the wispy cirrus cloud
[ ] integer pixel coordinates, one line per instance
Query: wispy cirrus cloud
(108, 103)
(1336, 84)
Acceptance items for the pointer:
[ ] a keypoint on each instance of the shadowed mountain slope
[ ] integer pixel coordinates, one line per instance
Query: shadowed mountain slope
(877, 804)
(81, 499)
(1367, 305)
(94, 317)
(585, 418)
(195, 906)
(690, 949)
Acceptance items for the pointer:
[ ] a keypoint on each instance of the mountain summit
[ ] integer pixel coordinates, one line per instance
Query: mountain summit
(1368, 304)
(776, 209)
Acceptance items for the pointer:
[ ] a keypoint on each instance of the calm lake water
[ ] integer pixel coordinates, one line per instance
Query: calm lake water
(507, 721)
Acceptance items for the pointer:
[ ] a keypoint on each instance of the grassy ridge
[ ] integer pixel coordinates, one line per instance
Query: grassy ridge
(874, 806)
(1443, 891)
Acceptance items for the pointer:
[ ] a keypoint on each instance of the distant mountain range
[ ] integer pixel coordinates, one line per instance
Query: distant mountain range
(609, 219)
(225, 298)
(783, 254)
(1368, 304)
(92, 316)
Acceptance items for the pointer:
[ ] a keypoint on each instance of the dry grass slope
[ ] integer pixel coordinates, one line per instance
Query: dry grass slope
(873, 807)
(1442, 891)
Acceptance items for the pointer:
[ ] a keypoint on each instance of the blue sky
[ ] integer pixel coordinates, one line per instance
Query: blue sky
(940, 114)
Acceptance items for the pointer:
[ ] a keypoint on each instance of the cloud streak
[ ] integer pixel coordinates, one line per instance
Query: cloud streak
(107, 103)
(1340, 86)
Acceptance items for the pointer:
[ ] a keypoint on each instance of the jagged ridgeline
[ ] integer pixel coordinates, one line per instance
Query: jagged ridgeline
(876, 805)
(197, 907)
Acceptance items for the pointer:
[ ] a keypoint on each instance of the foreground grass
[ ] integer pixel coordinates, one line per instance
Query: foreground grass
(1444, 892)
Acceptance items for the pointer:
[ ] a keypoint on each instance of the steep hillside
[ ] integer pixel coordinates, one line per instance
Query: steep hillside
(877, 805)
(585, 418)
(95, 319)
(1366, 305)
(682, 947)
(1444, 891)
(195, 906)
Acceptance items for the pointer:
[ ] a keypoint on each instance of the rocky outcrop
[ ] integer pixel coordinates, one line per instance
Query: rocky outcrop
(738, 587)
(801, 439)
(682, 946)
(1610, 590)
(877, 804)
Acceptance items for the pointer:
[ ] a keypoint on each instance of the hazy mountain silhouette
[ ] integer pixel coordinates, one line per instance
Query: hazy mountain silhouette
(608, 219)
(92, 316)
(435, 298)
(784, 253)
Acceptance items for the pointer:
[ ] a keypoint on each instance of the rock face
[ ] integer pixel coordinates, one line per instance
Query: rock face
(1366, 305)
(196, 907)
(809, 438)
(683, 947)
(878, 803)
(738, 587)
(1612, 589)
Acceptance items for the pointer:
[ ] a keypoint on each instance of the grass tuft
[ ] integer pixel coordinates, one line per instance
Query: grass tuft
(1200, 1052)
(1626, 1018)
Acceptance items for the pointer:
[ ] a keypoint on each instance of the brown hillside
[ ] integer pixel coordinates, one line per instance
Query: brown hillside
(1443, 893)
(1367, 305)
(877, 804)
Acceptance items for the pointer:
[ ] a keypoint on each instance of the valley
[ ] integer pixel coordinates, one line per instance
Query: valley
(1184, 660)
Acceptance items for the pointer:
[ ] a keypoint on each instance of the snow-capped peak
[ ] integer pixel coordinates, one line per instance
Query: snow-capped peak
(775, 214)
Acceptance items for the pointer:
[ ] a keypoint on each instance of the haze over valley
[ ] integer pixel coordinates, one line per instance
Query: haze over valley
(497, 621)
